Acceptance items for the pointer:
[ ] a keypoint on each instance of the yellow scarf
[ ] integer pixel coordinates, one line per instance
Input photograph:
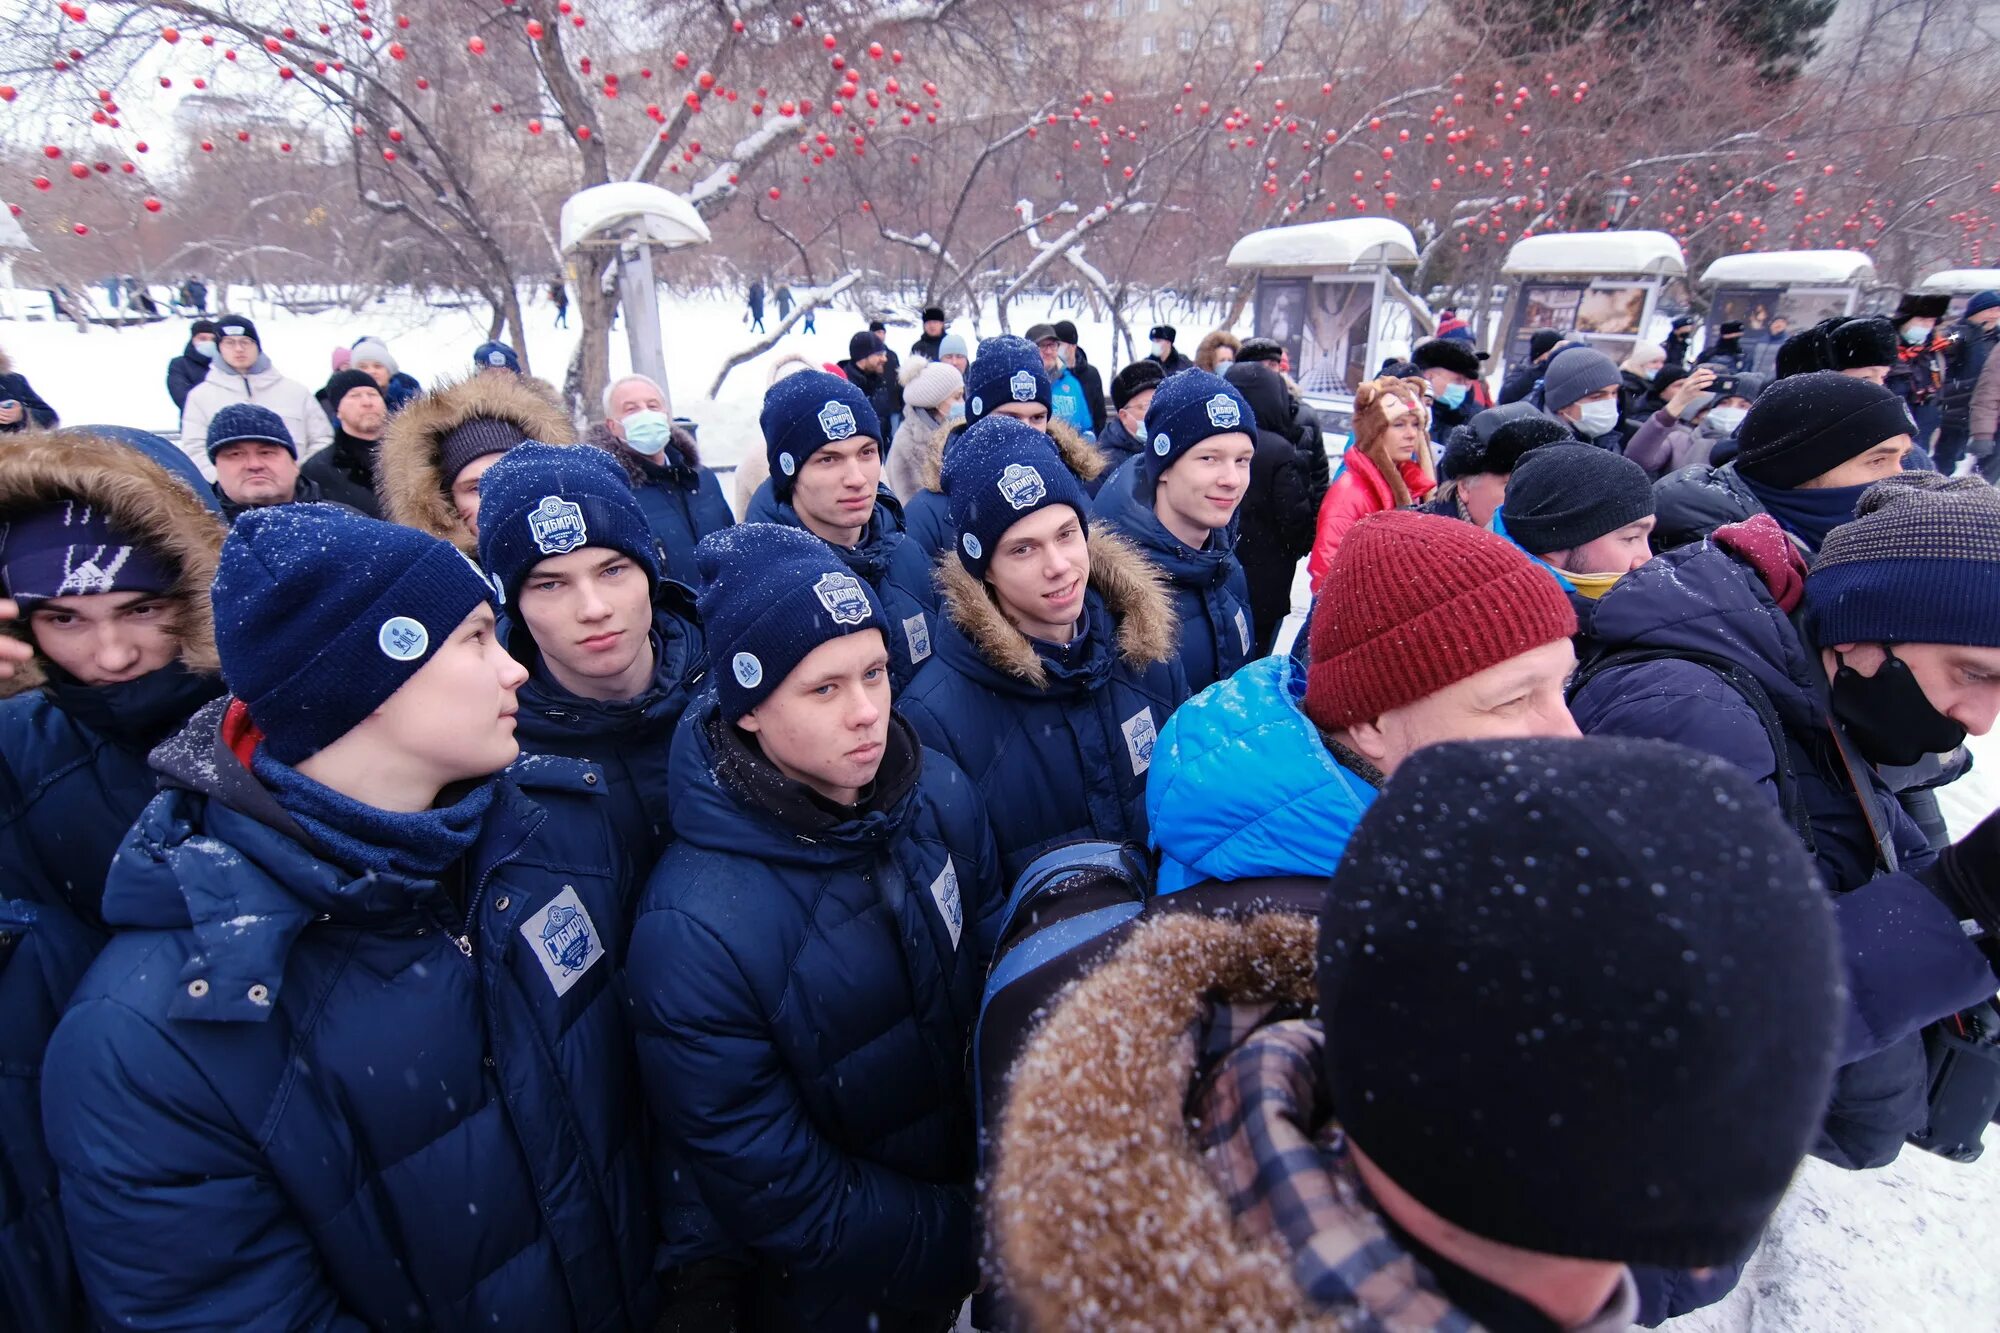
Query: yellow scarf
(1592, 586)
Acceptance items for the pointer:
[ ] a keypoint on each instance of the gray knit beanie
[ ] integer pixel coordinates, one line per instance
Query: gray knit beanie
(1574, 373)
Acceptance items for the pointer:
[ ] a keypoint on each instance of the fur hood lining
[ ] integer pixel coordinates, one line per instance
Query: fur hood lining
(413, 490)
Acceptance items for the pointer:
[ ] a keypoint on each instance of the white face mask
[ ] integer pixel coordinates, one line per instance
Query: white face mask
(1727, 419)
(1598, 418)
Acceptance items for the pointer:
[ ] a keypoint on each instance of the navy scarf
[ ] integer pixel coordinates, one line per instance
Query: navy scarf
(1808, 514)
(363, 840)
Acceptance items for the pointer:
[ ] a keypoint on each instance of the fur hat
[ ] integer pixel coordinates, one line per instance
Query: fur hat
(1446, 354)
(1506, 440)
(1135, 379)
(1377, 404)
(1261, 349)
(1162, 333)
(1921, 305)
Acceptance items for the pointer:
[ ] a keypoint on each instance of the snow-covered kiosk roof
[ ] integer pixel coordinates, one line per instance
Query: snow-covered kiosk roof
(1579, 254)
(1962, 280)
(1333, 246)
(1792, 268)
(659, 216)
(12, 235)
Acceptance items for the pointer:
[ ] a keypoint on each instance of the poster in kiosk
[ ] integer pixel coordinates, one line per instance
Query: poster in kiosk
(1602, 287)
(1776, 293)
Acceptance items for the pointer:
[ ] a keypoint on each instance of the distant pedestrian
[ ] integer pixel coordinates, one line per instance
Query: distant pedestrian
(756, 303)
(560, 295)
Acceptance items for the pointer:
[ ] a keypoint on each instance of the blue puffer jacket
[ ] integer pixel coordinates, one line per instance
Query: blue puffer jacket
(628, 739)
(1243, 787)
(1058, 739)
(804, 985)
(1211, 595)
(286, 1097)
(682, 500)
(1908, 961)
(43, 954)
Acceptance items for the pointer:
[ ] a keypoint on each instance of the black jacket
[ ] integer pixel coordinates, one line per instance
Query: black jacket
(344, 472)
(885, 395)
(37, 413)
(304, 492)
(183, 373)
(1278, 516)
(1174, 364)
(1521, 382)
(926, 347)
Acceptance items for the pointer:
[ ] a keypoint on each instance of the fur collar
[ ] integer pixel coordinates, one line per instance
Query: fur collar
(1079, 455)
(413, 491)
(1100, 1210)
(1132, 588)
(143, 500)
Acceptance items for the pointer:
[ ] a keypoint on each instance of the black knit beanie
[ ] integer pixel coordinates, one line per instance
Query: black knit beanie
(1581, 997)
(1804, 426)
(1563, 495)
(1468, 453)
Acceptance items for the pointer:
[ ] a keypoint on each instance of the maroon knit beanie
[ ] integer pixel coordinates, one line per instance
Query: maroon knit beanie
(1413, 603)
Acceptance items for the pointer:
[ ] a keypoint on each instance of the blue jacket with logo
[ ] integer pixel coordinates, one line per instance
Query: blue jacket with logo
(1242, 786)
(1058, 739)
(1211, 595)
(804, 982)
(288, 1097)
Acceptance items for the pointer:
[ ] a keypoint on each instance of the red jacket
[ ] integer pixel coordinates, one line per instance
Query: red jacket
(1359, 490)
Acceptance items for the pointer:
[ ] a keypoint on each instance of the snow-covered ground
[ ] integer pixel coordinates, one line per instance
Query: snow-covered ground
(1915, 1246)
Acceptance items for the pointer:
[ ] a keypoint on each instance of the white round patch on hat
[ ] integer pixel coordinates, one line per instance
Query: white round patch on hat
(977, 405)
(1161, 444)
(749, 671)
(971, 545)
(402, 639)
(786, 465)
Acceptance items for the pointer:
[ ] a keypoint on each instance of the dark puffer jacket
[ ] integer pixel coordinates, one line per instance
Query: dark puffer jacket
(189, 368)
(287, 1097)
(1279, 516)
(1908, 962)
(805, 983)
(1695, 501)
(682, 499)
(1058, 739)
(628, 739)
(1211, 597)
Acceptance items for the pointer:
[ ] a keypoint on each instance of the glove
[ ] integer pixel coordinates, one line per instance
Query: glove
(1966, 876)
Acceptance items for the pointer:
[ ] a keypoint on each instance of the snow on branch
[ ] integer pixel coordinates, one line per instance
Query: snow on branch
(809, 299)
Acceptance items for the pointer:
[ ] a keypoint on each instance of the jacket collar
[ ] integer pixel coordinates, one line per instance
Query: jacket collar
(1125, 502)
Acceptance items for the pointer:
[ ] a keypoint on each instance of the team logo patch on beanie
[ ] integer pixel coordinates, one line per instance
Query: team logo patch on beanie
(971, 545)
(1022, 386)
(557, 526)
(978, 405)
(496, 358)
(1021, 486)
(843, 598)
(1162, 443)
(786, 465)
(749, 671)
(1223, 413)
(402, 639)
(836, 420)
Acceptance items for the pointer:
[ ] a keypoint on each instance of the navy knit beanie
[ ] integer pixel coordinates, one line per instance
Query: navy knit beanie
(239, 423)
(496, 354)
(1007, 370)
(236, 326)
(805, 411)
(1186, 409)
(1920, 563)
(770, 594)
(1000, 471)
(321, 614)
(1560, 496)
(545, 500)
(1981, 302)
(1618, 924)
(1804, 426)
(70, 549)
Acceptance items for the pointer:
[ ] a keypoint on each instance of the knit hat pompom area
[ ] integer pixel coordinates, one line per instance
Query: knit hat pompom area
(546, 500)
(321, 614)
(804, 413)
(1000, 471)
(1920, 563)
(1188, 408)
(1413, 603)
(770, 595)
(1609, 921)
(1007, 370)
(1804, 426)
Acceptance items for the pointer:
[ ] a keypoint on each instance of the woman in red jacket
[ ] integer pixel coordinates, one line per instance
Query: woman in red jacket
(1387, 465)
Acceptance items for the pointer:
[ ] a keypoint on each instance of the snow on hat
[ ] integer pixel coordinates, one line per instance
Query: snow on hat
(770, 595)
(1412, 603)
(239, 423)
(373, 349)
(496, 354)
(1134, 380)
(1509, 432)
(1007, 370)
(71, 549)
(1607, 919)
(1575, 373)
(929, 383)
(1000, 471)
(321, 614)
(1920, 563)
(1186, 409)
(1804, 426)
(807, 411)
(237, 326)
(1562, 496)
(544, 500)
(953, 344)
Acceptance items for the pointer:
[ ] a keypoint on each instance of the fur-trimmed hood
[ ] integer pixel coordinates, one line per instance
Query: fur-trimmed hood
(143, 500)
(412, 487)
(1079, 455)
(1133, 590)
(1100, 1210)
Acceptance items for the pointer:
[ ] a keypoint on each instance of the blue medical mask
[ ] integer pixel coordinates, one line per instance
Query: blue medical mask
(1453, 396)
(205, 350)
(1914, 334)
(648, 432)
(956, 412)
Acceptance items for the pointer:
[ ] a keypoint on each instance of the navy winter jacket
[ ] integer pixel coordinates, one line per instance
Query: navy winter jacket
(1118, 446)
(43, 953)
(1210, 594)
(1059, 739)
(1908, 961)
(184, 372)
(288, 1097)
(682, 501)
(628, 739)
(804, 983)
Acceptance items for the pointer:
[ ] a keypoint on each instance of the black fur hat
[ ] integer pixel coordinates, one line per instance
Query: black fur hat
(1921, 305)
(1446, 354)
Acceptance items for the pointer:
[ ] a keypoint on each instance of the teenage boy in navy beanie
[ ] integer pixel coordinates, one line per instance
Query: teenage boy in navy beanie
(824, 442)
(256, 463)
(806, 965)
(1887, 651)
(351, 958)
(1177, 503)
(1057, 661)
(613, 649)
(1583, 514)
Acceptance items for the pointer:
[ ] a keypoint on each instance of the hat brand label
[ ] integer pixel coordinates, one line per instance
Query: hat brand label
(1223, 413)
(843, 597)
(557, 526)
(1022, 487)
(402, 639)
(1022, 386)
(836, 420)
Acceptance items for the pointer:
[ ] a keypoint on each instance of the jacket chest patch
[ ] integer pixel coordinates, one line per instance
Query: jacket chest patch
(565, 940)
(944, 892)
(917, 631)
(1140, 736)
(1243, 631)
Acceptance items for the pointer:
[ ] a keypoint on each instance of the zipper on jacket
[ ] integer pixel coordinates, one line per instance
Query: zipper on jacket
(464, 941)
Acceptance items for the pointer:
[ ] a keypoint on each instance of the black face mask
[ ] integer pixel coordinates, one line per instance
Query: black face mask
(1888, 715)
